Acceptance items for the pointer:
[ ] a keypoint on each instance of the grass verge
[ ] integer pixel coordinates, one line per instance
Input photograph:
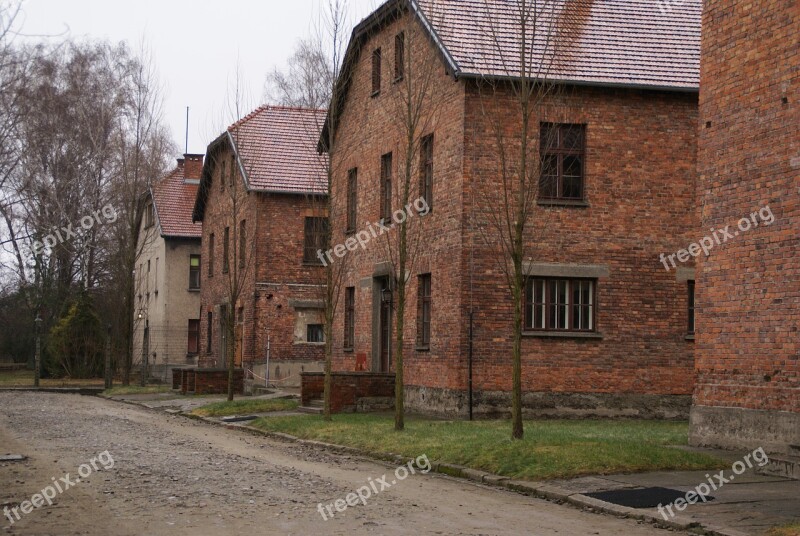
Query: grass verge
(24, 378)
(137, 390)
(785, 530)
(550, 449)
(244, 406)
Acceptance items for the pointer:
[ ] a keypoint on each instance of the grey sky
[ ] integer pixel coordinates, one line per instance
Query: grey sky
(195, 44)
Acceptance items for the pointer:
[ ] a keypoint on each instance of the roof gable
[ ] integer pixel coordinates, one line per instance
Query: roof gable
(173, 199)
(276, 151)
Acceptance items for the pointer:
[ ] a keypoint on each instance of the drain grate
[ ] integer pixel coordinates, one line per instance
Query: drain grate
(642, 497)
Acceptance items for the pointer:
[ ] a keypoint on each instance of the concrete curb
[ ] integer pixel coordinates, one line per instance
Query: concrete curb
(541, 490)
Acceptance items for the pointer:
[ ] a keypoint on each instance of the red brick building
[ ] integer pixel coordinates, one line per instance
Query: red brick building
(259, 204)
(748, 354)
(620, 341)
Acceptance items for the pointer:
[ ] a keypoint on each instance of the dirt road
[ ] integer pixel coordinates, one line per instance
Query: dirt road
(175, 476)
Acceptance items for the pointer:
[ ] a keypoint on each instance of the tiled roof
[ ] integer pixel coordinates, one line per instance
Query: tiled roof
(173, 200)
(648, 43)
(277, 147)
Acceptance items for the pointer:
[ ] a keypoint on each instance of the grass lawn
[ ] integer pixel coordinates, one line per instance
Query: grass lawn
(786, 530)
(551, 448)
(245, 406)
(24, 378)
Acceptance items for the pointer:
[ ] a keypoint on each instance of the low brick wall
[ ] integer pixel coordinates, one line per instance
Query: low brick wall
(209, 381)
(177, 375)
(347, 388)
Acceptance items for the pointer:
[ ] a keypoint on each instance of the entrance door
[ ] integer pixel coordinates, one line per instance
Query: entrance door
(385, 328)
(223, 334)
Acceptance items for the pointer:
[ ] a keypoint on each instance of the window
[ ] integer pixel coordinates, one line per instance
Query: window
(209, 327)
(149, 214)
(560, 304)
(376, 71)
(211, 255)
(399, 56)
(315, 333)
(194, 272)
(352, 200)
(386, 186)
(691, 307)
(226, 242)
(232, 170)
(315, 239)
(563, 152)
(349, 317)
(426, 170)
(221, 174)
(193, 345)
(242, 243)
(424, 312)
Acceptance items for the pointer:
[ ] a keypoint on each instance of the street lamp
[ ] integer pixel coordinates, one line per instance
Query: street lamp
(37, 374)
(386, 295)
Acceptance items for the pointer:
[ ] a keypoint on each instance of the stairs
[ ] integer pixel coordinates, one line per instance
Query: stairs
(315, 407)
(784, 465)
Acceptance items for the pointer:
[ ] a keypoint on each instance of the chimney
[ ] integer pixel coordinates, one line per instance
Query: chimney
(193, 166)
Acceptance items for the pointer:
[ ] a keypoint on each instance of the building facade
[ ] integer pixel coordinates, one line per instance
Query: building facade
(748, 358)
(607, 323)
(166, 319)
(260, 204)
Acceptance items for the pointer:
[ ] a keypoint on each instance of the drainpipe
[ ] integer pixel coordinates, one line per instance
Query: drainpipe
(469, 360)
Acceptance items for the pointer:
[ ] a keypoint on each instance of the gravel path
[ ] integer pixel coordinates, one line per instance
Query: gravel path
(176, 476)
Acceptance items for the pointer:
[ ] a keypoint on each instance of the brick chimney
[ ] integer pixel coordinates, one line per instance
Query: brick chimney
(192, 166)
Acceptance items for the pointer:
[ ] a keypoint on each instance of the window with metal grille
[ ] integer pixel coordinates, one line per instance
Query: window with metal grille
(426, 170)
(315, 239)
(352, 200)
(386, 186)
(376, 71)
(560, 304)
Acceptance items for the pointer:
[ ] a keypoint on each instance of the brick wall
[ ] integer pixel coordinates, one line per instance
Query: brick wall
(347, 388)
(748, 293)
(640, 193)
(275, 280)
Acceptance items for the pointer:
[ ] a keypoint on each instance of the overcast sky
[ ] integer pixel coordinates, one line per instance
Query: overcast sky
(195, 43)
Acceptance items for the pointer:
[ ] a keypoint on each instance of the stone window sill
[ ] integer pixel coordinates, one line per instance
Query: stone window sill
(563, 334)
(577, 203)
(689, 337)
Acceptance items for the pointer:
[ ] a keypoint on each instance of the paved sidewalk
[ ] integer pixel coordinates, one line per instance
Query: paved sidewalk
(747, 505)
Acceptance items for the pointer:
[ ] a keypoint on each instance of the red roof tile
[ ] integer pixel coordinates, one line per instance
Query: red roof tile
(650, 43)
(277, 147)
(173, 200)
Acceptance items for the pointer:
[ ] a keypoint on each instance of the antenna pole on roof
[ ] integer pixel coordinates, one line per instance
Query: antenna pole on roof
(186, 146)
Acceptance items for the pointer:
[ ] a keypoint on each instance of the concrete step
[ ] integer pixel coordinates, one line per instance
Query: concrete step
(316, 403)
(782, 465)
(312, 410)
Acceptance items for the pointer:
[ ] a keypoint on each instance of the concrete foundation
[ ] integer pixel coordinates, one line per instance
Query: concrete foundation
(739, 428)
(493, 404)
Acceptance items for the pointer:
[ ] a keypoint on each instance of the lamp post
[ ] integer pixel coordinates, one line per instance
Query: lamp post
(37, 373)
(108, 376)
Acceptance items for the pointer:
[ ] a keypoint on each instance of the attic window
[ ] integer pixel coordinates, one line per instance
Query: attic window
(376, 72)
(150, 218)
(399, 56)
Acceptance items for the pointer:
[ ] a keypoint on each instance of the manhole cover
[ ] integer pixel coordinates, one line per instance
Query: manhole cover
(642, 497)
(12, 457)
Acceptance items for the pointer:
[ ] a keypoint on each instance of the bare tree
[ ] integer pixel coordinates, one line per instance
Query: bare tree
(413, 106)
(508, 217)
(141, 145)
(309, 77)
